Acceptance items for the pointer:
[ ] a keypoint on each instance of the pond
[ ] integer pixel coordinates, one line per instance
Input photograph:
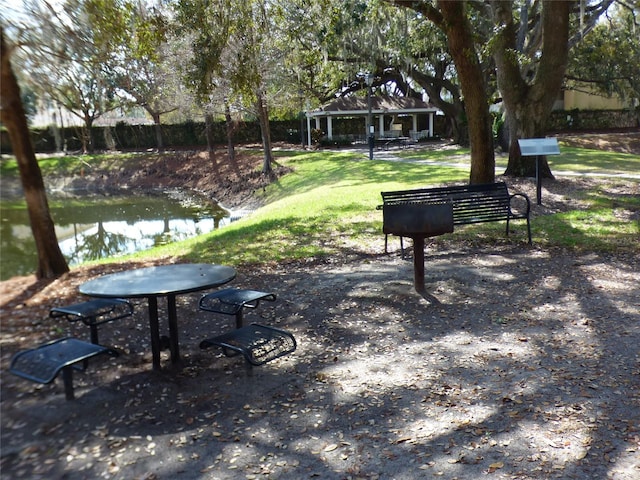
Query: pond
(101, 226)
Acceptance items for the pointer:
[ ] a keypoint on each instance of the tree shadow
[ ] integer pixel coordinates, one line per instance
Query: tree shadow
(525, 367)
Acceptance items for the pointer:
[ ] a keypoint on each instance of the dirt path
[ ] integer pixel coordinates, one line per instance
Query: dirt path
(533, 382)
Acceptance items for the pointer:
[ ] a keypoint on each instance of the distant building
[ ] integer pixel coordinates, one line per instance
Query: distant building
(386, 112)
(583, 97)
(48, 115)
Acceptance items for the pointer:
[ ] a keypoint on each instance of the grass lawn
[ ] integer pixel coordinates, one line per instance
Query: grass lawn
(577, 160)
(328, 203)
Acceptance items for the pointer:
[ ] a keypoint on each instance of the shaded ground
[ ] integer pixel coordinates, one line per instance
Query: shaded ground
(520, 363)
(625, 142)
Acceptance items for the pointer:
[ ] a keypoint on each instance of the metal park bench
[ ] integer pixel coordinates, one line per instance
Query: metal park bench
(233, 301)
(427, 212)
(44, 363)
(477, 203)
(94, 312)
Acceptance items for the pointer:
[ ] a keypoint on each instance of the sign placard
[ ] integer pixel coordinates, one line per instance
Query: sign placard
(538, 147)
(530, 147)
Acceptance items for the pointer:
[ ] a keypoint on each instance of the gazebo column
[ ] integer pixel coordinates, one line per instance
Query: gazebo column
(317, 122)
(308, 131)
(330, 127)
(414, 117)
(381, 125)
(430, 124)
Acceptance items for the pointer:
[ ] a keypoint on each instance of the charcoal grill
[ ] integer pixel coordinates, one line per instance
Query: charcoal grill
(417, 221)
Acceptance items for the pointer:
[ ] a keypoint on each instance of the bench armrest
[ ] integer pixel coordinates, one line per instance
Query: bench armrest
(526, 198)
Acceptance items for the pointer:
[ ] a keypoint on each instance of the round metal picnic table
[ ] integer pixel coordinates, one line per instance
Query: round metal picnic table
(161, 281)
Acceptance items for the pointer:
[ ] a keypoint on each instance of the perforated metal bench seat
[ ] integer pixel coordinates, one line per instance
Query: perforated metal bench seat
(44, 363)
(94, 312)
(232, 301)
(258, 343)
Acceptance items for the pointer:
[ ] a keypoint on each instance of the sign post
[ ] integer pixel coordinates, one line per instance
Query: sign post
(538, 147)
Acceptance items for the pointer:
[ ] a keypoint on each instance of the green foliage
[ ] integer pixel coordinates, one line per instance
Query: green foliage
(70, 48)
(228, 43)
(608, 58)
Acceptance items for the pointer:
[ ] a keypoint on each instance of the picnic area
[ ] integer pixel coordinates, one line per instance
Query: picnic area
(520, 361)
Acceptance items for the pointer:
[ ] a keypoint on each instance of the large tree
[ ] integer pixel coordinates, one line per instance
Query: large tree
(529, 43)
(527, 101)
(51, 262)
(230, 45)
(531, 48)
(145, 63)
(453, 19)
(70, 46)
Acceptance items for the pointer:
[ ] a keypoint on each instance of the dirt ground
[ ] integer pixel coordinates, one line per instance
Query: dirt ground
(627, 141)
(519, 363)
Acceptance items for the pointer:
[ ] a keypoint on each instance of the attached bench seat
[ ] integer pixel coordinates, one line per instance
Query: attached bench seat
(473, 203)
(44, 363)
(258, 343)
(94, 312)
(233, 301)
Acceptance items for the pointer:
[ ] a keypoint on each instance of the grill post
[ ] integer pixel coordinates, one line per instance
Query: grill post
(418, 263)
(418, 221)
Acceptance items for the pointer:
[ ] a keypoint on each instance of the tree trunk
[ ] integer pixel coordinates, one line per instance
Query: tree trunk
(265, 130)
(208, 131)
(87, 134)
(528, 105)
(450, 17)
(158, 128)
(519, 166)
(460, 39)
(51, 262)
(62, 131)
(231, 151)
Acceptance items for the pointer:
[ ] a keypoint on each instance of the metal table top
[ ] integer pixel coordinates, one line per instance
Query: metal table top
(159, 281)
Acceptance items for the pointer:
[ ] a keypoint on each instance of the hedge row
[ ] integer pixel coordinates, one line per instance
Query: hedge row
(192, 134)
(576, 120)
(141, 137)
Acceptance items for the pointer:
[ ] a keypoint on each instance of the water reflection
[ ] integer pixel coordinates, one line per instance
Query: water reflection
(90, 228)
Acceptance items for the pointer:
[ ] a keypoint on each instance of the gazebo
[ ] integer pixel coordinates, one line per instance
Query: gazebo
(381, 107)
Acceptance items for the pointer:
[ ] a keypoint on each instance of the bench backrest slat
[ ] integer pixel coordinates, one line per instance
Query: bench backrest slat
(466, 203)
(471, 203)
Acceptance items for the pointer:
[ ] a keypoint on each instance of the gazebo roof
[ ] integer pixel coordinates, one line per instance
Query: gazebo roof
(355, 105)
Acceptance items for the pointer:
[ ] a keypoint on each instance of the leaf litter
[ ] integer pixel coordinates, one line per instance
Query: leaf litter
(529, 377)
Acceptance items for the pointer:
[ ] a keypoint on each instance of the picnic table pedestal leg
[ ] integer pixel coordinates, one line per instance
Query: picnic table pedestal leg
(155, 332)
(173, 329)
(418, 263)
